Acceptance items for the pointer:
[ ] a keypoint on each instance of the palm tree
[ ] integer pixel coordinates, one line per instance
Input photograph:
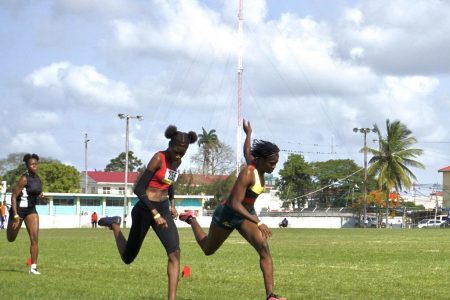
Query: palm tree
(208, 141)
(391, 161)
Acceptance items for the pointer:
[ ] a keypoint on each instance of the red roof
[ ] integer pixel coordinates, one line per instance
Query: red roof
(446, 169)
(113, 177)
(438, 194)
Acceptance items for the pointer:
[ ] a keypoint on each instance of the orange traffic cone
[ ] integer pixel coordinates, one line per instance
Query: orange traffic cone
(186, 272)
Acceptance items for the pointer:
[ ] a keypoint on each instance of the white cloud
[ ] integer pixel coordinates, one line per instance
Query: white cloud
(182, 29)
(399, 37)
(62, 83)
(37, 142)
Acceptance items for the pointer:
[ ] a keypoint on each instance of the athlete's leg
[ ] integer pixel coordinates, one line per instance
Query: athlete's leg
(32, 224)
(173, 273)
(171, 241)
(140, 225)
(11, 232)
(213, 240)
(253, 235)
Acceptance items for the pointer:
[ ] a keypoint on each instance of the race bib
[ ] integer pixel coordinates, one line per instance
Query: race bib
(24, 199)
(170, 177)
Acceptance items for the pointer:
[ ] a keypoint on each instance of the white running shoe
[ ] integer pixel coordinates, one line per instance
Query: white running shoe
(33, 270)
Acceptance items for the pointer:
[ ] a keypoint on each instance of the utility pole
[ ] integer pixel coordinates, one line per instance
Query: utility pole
(86, 140)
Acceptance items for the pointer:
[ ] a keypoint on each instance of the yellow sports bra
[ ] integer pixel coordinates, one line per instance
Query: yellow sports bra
(257, 188)
(252, 192)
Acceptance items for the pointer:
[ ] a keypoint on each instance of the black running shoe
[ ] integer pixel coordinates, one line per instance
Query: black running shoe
(108, 221)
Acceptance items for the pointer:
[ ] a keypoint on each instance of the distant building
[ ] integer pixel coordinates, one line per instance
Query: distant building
(446, 185)
(107, 182)
(199, 179)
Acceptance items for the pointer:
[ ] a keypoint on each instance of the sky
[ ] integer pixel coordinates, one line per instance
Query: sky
(313, 71)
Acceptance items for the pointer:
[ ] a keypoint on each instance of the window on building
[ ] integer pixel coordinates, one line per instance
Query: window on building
(114, 202)
(121, 190)
(40, 201)
(90, 202)
(57, 201)
(106, 190)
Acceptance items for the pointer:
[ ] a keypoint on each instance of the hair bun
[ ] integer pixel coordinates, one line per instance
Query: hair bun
(170, 131)
(26, 157)
(192, 137)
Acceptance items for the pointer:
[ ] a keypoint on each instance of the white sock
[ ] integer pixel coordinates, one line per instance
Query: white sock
(33, 266)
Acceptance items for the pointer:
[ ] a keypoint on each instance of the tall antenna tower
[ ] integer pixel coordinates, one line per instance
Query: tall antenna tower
(240, 70)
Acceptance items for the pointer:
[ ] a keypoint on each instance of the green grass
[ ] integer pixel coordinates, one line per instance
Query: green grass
(308, 264)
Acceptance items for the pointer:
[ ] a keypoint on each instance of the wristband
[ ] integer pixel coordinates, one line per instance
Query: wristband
(259, 223)
(16, 216)
(157, 216)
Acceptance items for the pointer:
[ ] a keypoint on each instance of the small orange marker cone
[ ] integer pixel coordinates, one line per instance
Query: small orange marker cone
(186, 272)
(29, 262)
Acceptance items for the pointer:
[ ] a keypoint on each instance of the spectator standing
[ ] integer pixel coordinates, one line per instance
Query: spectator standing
(94, 219)
(2, 215)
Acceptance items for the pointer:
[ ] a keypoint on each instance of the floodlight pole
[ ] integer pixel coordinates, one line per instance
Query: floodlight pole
(365, 131)
(125, 192)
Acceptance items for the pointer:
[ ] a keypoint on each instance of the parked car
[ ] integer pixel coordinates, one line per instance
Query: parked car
(445, 224)
(429, 223)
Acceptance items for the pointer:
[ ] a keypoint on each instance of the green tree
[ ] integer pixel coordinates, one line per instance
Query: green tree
(334, 176)
(55, 177)
(392, 160)
(294, 181)
(118, 164)
(12, 161)
(207, 141)
(59, 178)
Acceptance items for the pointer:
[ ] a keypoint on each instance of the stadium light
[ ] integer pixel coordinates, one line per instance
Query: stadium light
(365, 131)
(125, 196)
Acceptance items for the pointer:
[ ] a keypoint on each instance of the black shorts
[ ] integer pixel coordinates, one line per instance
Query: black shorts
(226, 217)
(23, 212)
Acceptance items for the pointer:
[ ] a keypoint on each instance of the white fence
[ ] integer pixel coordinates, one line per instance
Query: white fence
(272, 222)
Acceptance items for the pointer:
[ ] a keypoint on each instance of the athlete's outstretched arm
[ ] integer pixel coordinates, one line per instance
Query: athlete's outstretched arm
(248, 136)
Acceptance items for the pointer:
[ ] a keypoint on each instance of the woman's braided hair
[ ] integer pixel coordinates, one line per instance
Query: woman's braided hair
(263, 149)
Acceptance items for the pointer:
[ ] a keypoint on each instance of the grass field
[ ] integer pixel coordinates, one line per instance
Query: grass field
(308, 263)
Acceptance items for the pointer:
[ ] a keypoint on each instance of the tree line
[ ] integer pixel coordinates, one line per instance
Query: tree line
(332, 183)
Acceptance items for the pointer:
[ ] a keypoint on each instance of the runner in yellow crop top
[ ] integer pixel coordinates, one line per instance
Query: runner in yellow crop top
(237, 211)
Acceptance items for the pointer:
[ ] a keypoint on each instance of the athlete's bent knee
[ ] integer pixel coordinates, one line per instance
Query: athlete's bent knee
(209, 252)
(127, 260)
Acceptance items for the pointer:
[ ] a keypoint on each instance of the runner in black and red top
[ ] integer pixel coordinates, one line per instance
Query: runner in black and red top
(238, 212)
(155, 190)
(23, 207)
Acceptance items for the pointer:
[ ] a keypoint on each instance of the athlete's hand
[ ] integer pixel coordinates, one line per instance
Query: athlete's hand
(174, 212)
(161, 222)
(266, 232)
(247, 127)
(16, 223)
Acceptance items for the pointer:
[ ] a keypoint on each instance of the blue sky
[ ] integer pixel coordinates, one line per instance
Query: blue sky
(313, 70)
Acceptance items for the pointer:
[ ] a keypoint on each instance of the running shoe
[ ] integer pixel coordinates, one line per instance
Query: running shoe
(275, 297)
(187, 216)
(34, 271)
(109, 221)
